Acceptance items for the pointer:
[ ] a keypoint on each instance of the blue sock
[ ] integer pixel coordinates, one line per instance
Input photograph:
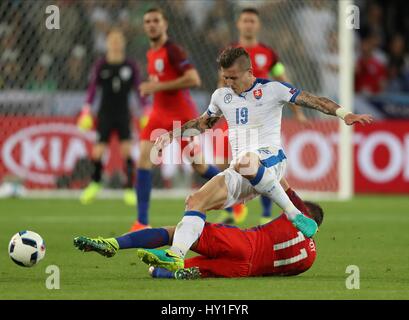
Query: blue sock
(163, 273)
(266, 203)
(147, 238)
(211, 172)
(143, 192)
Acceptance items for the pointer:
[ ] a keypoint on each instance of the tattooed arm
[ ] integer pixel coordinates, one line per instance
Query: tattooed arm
(189, 129)
(327, 106)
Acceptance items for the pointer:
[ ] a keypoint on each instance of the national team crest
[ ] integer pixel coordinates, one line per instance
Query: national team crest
(125, 73)
(159, 65)
(260, 59)
(258, 93)
(227, 98)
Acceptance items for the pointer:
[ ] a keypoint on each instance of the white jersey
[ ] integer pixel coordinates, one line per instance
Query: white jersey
(254, 116)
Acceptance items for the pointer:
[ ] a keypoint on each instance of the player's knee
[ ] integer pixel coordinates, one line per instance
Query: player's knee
(194, 202)
(247, 165)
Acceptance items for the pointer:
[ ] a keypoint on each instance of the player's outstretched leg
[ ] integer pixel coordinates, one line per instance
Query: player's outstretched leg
(148, 238)
(181, 274)
(106, 247)
(186, 233)
(161, 258)
(212, 195)
(265, 181)
(235, 214)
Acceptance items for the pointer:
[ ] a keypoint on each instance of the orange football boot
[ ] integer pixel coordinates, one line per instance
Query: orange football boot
(137, 226)
(240, 212)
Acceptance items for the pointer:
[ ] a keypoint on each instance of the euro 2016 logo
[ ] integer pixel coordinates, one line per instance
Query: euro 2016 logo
(258, 93)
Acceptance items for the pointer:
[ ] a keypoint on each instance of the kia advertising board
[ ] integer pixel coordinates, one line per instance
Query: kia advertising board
(37, 149)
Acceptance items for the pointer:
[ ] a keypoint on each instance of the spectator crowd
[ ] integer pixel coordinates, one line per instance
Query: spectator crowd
(303, 32)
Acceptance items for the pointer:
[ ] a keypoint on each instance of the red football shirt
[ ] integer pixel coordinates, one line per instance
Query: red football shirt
(369, 75)
(263, 59)
(281, 249)
(164, 64)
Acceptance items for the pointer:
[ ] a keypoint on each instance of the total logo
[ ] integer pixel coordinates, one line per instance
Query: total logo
(39, 152)
(397, 156)
(377, 146)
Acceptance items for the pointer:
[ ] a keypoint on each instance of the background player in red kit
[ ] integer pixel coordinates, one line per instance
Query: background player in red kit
(170, 76)
(276, 248)
(266, 64)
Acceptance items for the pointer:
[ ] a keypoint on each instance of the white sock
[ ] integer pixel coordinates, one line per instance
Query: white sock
(267, 184)
(187, 232)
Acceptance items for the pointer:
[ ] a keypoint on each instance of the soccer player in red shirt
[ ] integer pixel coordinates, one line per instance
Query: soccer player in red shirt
(266, 64)
(370, 72)
(276, 248)
(170, 76)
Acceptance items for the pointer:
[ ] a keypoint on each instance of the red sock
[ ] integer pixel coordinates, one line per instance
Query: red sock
(297, 201)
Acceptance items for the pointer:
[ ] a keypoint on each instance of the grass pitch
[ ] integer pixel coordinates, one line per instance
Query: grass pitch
(369, 232)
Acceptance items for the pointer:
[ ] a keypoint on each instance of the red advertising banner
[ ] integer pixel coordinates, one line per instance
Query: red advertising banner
(39, 149)
(312, 155)
(382, 157)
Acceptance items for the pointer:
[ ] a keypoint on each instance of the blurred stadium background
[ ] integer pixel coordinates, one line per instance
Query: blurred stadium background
(44, 74)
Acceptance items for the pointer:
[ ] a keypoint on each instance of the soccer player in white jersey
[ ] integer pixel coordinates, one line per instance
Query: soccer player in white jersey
(252, 108)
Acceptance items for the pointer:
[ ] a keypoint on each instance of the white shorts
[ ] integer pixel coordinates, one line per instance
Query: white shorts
(240, 189)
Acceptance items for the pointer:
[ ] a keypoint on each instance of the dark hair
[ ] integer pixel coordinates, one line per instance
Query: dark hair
(250, 10)
(230, 55)
(156, 9)
(315, 211)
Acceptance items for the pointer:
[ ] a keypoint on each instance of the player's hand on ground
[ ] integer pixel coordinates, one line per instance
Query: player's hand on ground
(352, 118)
(163, 141)
(148, 87)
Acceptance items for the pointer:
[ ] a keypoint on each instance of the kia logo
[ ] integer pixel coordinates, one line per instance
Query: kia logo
(38, 152)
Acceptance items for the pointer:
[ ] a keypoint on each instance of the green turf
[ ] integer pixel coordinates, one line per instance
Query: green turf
(370, 232)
